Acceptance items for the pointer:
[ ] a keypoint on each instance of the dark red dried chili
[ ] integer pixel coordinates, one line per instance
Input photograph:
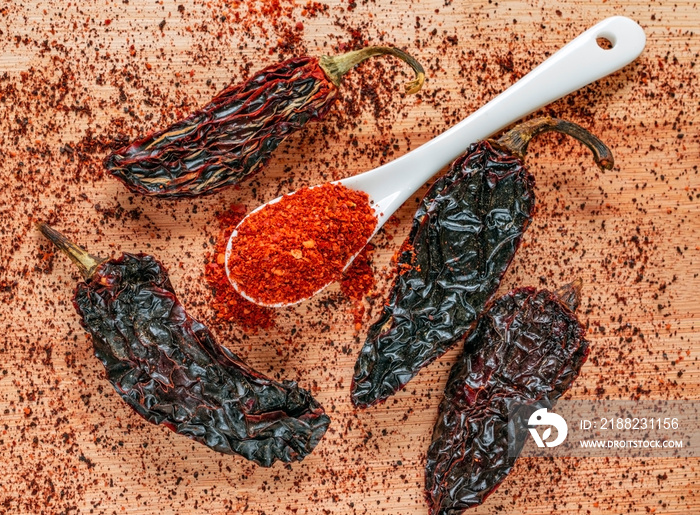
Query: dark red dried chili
(288, 250)
(526, 350)
(170, 370)
(233, 136)
(464, 235)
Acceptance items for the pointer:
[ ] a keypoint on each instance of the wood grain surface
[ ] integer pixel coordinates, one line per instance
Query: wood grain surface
(76, 76)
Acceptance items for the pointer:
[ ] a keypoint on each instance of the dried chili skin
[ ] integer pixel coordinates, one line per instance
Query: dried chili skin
(167, 366)
(464, 235)
(233, 136)
(230, 138)
(527, 348)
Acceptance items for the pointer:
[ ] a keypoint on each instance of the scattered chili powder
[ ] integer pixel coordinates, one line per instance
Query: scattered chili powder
(287, 251)
(228, 304)
(358, 280)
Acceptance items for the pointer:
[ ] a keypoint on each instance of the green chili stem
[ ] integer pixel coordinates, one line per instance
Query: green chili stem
(87, 263)
(517, 139)
(570, 294)
(337, 66)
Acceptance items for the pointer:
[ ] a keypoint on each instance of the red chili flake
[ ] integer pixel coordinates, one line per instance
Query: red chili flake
(228, 304)
(358, 280)
(287, 251)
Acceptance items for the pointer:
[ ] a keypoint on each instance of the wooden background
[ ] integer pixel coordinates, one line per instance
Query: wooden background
(75, 76)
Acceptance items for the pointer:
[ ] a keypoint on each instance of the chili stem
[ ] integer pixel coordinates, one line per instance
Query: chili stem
(87, 263)
(570, 294)
(337, 66)
(517, 139)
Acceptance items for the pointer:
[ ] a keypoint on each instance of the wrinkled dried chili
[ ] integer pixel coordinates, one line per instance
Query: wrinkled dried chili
(464, 235)
(288, 250)
(227, 302)
(526, 350)
(233, 136)
(170, 370)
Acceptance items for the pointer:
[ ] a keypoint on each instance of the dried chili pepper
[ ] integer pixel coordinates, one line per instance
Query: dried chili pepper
(232, 136)
(168, 368)
(287, 251)
(526, 350)
(464, 235)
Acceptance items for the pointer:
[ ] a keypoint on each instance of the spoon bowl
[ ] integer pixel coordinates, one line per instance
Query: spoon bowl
(577, 64)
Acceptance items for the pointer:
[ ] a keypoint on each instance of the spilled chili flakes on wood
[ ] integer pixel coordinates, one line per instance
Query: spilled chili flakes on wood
(289, 250)
(358, 280)
(228, 304)
(77, 101)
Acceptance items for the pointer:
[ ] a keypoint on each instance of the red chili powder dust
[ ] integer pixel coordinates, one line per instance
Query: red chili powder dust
(228, 304)
(289, 250)
(358, 280)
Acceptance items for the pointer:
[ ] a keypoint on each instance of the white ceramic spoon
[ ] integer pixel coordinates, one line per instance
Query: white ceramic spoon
(576, 65)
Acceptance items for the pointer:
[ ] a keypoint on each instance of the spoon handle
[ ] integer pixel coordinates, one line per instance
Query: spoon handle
(576, 65)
